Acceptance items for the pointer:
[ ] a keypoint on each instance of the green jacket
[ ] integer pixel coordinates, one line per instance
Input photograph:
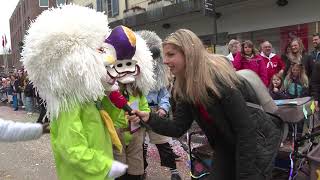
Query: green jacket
(118, 115)
(81, 144)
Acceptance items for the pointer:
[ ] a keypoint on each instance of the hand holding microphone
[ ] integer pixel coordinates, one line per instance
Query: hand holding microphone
(138, 116)
(121, 102)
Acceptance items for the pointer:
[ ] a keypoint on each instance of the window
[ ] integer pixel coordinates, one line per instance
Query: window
(24, 7)
(60, 2)
(43, 3)
(112, 8)
(99, 5)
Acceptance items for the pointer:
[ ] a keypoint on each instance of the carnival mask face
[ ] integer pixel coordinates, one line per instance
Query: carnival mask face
(124, 71)
(122, 43)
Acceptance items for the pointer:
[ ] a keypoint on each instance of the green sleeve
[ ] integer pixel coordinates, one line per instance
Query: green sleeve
(143, 104)
(75, 149)
(117, 115)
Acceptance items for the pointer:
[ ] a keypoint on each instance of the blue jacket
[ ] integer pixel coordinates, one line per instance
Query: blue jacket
(159, 99)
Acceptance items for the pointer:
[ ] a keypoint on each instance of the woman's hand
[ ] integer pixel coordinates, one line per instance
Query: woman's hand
(135, 118)
(161, 113)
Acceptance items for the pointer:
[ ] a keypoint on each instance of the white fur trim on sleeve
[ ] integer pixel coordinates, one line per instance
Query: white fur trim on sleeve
(16, 131)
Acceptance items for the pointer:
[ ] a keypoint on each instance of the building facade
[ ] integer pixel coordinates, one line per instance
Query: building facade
(256, 20)
(88, 3)
(23, 14)
(6, 65)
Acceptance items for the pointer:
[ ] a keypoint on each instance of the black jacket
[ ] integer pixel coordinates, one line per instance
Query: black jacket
(245, 140)
(315, 55)
(281, 94)
(306, 60)
(315, 82)
(29, 91)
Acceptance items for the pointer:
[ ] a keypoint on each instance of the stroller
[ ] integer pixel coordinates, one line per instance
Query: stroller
(292, 157)
(199, 151)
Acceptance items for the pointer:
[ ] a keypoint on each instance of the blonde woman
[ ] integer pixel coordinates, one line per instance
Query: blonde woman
(296, 83)
(297, 55)
(208, 90)
(234, 47)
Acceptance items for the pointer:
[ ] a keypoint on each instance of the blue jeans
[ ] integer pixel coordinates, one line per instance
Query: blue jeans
(15, 102)
(29, 104)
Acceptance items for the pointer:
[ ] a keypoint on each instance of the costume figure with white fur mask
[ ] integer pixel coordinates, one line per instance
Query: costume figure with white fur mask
(133, 70)
(158, 99)
(66, 61)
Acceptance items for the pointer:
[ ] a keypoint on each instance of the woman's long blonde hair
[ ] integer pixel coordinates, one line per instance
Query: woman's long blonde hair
(303, 78)
(296, 58)
(205, 73)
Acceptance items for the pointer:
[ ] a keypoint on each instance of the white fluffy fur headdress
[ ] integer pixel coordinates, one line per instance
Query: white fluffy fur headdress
(154, 43)
(61, 59)
(145, 80)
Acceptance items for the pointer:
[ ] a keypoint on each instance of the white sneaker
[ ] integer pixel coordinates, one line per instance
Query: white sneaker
(29, 113)
(117, 169)
(23, 107)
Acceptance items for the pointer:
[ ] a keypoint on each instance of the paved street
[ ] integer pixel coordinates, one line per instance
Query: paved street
(33, 160)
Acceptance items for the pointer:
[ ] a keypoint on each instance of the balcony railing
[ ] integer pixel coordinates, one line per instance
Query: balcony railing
(156, 4)
(133, 11)
(157, 10)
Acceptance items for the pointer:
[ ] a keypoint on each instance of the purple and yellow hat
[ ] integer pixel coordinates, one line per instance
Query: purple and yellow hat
(123, 40)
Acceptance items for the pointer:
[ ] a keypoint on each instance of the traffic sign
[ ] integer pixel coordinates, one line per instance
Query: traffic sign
(209, 8)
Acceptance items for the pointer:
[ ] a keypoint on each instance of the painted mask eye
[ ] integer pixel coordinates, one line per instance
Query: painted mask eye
(119, 65)
(128, 64)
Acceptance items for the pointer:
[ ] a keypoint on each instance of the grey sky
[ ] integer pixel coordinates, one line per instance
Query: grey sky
(6, 9)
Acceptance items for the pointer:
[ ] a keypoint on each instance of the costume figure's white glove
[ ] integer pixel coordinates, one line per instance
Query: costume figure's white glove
(114, 87)
(117, 169)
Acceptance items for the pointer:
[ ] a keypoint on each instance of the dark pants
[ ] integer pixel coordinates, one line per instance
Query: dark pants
(42, 115)
(166, 153)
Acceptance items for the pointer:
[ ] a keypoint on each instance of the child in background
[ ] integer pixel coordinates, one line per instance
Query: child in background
(133, 71)
(296, 82)
(276, 88)
(132, 152)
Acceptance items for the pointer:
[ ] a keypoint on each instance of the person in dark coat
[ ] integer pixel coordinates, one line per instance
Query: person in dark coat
(315, 85)
(315, 78)
(208, 90)
(15, 89)
(43, 118)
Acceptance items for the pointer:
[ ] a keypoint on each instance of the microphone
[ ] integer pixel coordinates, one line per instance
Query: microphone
(121, 102)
